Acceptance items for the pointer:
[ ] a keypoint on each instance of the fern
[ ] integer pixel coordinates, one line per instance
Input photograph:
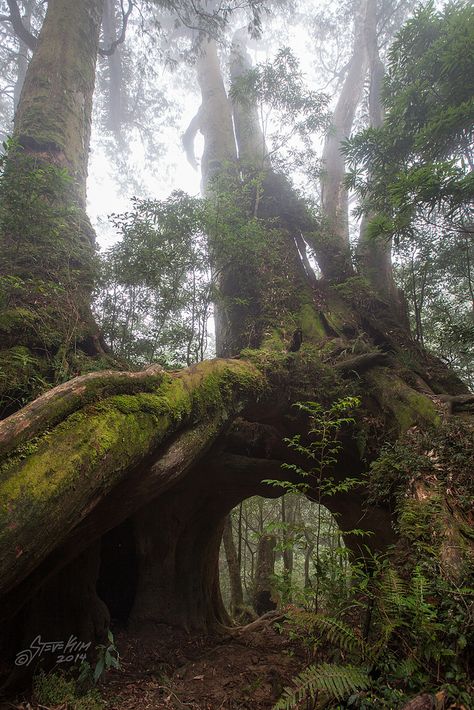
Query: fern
(406, 667)
(330, 681)
(340, 634)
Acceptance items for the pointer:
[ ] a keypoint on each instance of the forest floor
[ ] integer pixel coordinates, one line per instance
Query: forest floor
(168, 668)
(245, 670)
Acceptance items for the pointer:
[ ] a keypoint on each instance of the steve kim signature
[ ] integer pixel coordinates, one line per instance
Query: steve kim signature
(70, 651)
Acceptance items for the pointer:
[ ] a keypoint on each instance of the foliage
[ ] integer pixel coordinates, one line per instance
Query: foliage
(38, 199)
(414, 178)
(155, 298)
(54, 689)
(418, 161)
(434, 269)
(321, 448)
(47, 267)
(107, 657)
(398, 637)
(441, 454)
(290, 114)
(326, 682)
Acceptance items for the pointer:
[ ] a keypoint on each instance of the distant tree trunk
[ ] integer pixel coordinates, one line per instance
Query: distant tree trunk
(114, 63)
(375, 253)
(47, 243)
(264, 570)
(332, 242)
(23, 53)
(288, 518)
(236, 593)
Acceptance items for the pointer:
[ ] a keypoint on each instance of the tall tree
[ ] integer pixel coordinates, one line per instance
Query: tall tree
(175, 452)
(47, 243)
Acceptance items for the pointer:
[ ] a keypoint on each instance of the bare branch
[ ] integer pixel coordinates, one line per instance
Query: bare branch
(121, 38)
(17, 23)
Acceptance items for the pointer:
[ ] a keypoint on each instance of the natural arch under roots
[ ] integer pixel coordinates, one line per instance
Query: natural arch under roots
(161, 564)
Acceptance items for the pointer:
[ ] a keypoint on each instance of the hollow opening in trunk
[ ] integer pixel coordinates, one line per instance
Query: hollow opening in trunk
(118, 573)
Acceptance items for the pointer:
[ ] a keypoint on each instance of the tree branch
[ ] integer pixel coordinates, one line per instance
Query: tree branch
(121, 38)
(17, 23)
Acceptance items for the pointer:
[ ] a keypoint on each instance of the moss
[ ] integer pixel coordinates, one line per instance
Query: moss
(400, 403)
(12, 319)
(58, 689)
(356, 290)
(56, 476)
(311, 324)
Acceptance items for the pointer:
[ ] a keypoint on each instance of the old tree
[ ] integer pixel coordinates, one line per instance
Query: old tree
(159, 458)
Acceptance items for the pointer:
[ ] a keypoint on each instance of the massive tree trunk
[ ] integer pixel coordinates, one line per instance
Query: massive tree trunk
(264, 570)
(47, 243)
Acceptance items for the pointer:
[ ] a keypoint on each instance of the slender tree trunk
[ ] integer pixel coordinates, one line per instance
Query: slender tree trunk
(264, 571)
(114, 63)
(332, 243)
(375, 253)
(288, 518)
(236, 593)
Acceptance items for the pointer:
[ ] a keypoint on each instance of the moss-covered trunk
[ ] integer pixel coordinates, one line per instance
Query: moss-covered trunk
(46, 241)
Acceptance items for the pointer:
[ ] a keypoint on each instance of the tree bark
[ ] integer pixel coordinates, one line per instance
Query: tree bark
(47, 243)
(250, 304)
(374, 254)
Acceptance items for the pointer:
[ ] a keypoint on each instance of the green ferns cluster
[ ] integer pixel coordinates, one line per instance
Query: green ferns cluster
(408, 637)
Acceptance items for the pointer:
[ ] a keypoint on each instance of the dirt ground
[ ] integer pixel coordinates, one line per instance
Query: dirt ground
(246, 670)
(167, 668)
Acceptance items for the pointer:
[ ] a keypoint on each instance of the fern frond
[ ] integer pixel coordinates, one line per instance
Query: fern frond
(331, 681)
(339, 633)
(392, 596)
(406, 667)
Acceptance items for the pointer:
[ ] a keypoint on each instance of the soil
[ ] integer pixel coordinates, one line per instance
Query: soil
(248, 670)
(167, 668)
